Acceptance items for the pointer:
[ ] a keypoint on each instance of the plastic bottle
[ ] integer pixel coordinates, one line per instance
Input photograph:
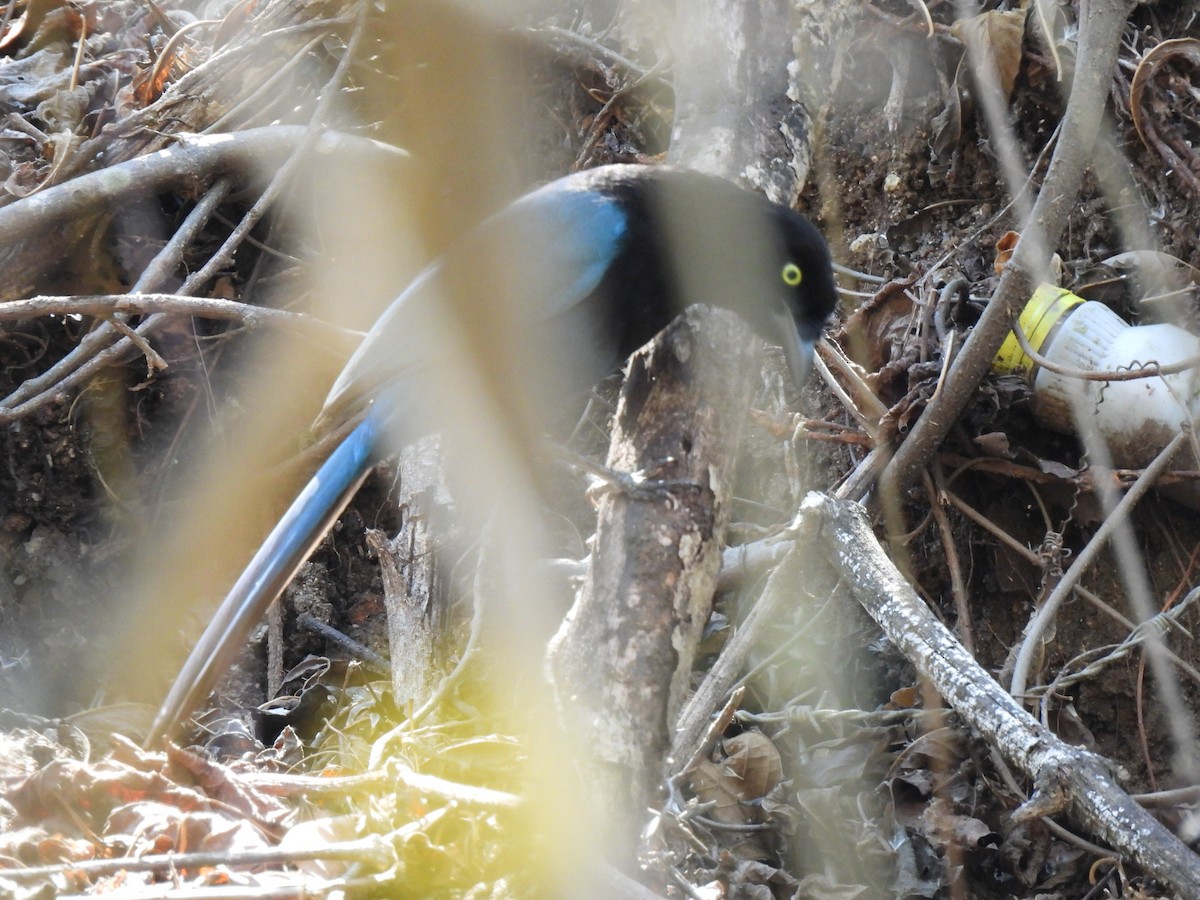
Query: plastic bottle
(1137, 417)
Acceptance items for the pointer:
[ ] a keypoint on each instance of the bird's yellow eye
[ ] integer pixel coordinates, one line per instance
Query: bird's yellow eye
(791, 274)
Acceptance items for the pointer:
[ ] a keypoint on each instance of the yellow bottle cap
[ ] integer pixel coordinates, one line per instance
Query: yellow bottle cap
(1043, 311)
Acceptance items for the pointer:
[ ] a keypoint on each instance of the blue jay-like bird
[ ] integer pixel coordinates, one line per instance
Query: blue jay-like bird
(607, 258)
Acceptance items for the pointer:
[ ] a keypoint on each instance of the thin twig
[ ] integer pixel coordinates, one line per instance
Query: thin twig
(1046, 613)
(958, 584)
(375, 850)
(858, 398)
(393, 774)
(591, 46)
(1111, 654)
(1035, 560)
(361, 652)
(153, 276)
(108, 305)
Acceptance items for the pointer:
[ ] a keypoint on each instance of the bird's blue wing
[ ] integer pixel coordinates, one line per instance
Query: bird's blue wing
(555, 246)
(571, 233)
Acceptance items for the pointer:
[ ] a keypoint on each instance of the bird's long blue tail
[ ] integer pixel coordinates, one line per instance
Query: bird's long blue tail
(286, 548)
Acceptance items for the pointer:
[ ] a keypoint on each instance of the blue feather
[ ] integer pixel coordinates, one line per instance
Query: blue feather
(275, 563)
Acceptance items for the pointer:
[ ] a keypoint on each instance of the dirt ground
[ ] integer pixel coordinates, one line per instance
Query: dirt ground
(905, 179)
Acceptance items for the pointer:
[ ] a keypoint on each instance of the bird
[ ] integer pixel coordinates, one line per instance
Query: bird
(606, 258)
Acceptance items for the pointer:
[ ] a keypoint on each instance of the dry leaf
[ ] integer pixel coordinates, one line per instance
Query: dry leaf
(995, 443)
(1182, 48)
(994, 38)
(753, 758)
(1004, 250)
(712, 784)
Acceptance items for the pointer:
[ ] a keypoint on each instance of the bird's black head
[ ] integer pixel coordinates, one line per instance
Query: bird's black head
(805, 294)
(694, 238)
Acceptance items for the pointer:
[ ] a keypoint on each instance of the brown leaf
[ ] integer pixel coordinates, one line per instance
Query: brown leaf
(151, 827)
(905, 698)
(995, 443)
(944, 826)
(233, 22)
(221, 783)
(1004, 250)
(712, 784)
(995, 38)
(754, 759)
(940, 748)
(947, 124)
(877, 331)
(1181, 48)
(36, 846)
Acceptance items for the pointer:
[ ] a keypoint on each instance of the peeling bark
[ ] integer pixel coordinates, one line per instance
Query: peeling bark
(411, 588)
(622, 659)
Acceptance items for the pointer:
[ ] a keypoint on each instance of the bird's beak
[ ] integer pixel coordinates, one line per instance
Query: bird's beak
(797, 346)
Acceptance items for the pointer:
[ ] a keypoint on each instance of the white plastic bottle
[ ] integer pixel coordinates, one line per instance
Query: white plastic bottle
(1136, 417)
